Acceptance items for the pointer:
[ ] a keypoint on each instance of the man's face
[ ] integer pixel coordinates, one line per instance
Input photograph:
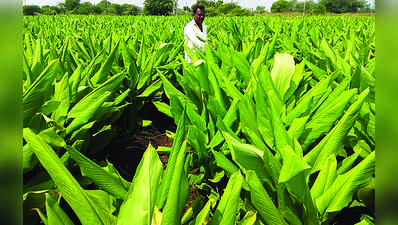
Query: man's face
(199, 16)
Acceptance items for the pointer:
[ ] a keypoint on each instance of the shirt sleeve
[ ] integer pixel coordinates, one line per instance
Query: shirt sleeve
(191, 36)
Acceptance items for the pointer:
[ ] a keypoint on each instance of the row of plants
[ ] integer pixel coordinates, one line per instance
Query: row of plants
(278, 118)
(81, 88)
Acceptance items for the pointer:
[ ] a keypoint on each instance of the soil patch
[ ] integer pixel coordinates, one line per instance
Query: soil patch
(349, 216)
(125, 152)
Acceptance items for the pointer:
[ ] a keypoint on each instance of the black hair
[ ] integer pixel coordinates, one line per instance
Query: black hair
(198, 6)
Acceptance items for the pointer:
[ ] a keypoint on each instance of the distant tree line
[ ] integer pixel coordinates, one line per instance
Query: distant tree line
(322, 6)
(213, 8)
(86, 8)
(219, 8)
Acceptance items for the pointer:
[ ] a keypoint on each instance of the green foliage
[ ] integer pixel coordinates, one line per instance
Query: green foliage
(240, 12)
(227, 8)
(260, 9)
(218, 8)
(212, 12)
(278, 118)
(280, 6)
(319, 9)
(61, 8)
(158, 7)
(340, 6)
(31, 10)
(85, 8)
(343, 6)
(128, 9)
(71, 4)
(281, 122)
(49, 10)
(104, 4)
(209, 3)
(309, 6)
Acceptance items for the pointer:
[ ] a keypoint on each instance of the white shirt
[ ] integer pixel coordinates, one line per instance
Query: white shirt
(191, 32)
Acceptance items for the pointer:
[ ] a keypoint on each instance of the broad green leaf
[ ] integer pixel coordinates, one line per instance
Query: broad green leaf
(292, 158)
(325, 178)
(300, 192)
(29, 159)
(198, 141)
(333, 141)
(247, 157)
(66, 183)
(219, 96)
(55, 214)
(264, 120)
(335, 58)
(367, 195)
(262, 201)
(296, 129)
(227, 208)
(297, 77)
(105, 202)
(224, 163)
(169, 89)
(282, 72)
(153, 88)
(286, 205)
(347, 163)
(248, 122)
(103, 72)
(37, 58)
(249, 218)
(230, 117)
(193, 210)
(340, 193)
(308, 102)
(178, 191)
(35, 95)
(108, 86)
(130, 64)
(87, 113)
(203, 216)
(217, 177)
(331, 100)
(273, 96)
(105, 180)
(172, 162)
(63, 95)
(138, 208)
(322, 121)
(50, 137)
(163, 108)
(243, 66)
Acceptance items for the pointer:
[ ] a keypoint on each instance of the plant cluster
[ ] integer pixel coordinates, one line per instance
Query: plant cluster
(278, 118)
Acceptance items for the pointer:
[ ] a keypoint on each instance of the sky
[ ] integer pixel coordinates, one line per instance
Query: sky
(250, 4)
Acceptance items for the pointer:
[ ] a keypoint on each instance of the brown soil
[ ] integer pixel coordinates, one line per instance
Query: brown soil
(349, 216)
(125, 151)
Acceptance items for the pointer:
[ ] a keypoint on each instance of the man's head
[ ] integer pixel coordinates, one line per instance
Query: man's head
(198, 14)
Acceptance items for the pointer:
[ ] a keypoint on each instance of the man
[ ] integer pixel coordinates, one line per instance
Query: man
(195, 32)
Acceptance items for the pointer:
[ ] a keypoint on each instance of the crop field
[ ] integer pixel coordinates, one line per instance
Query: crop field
(274, 123)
